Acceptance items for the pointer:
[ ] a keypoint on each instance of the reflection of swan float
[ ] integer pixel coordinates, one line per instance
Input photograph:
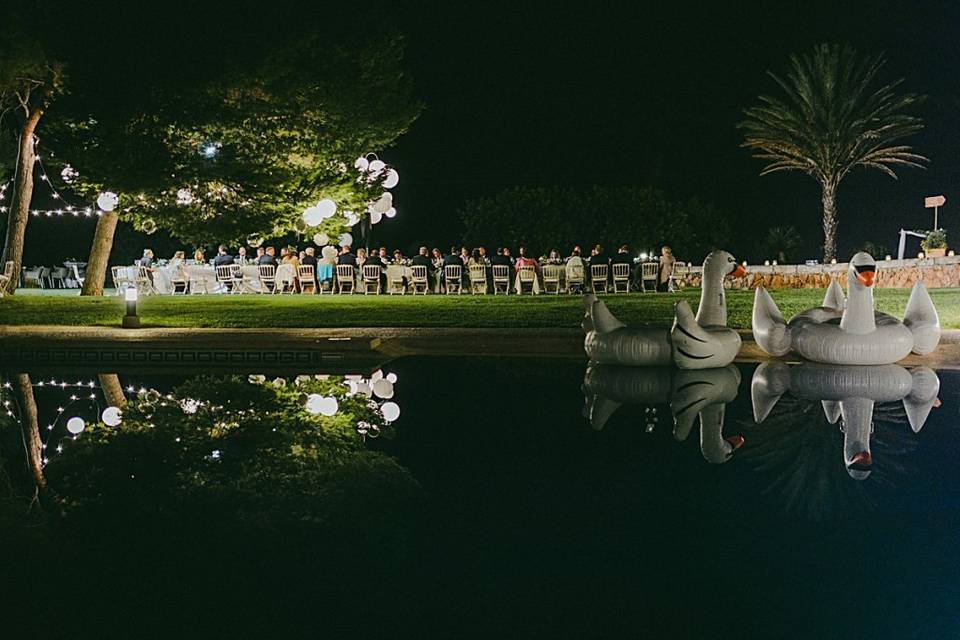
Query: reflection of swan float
(848, 395)
(689, 393)
(850, 332)
(700, 342)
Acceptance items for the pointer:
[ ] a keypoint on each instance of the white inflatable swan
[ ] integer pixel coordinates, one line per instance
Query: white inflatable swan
(689, 393)
(851, 332)
(848, 395)
(701, 342)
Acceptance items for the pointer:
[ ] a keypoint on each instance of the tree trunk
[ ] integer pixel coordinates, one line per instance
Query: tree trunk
(100, 254)
(829, 222)
(30, 428)
(112, 390)
(20, 204)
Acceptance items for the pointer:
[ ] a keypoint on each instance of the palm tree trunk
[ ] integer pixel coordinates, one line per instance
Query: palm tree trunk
(100, 254)
(20, 205)
(829, 221)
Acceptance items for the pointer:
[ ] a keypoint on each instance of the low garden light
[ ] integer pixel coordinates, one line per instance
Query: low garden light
(131, 320)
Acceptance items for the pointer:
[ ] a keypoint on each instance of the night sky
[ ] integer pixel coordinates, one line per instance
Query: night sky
(641, 93)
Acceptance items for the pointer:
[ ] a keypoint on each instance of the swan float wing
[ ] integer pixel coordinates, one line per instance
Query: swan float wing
(922, 320)
(770, 330)
(834, 298)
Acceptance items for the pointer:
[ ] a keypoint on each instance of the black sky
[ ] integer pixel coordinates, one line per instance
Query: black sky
(643, 93)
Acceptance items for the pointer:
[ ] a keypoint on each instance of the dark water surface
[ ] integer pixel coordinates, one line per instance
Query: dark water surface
(511, 498)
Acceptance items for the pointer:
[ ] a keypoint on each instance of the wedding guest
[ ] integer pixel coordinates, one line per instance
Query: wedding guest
(666, 268)
(269, 257)
(199, 257)
(422, 259)
(347, 257)
(241, 256)
(222, 258)
(147, 259)
(309, 256)
(361, 257)
(177, 259)
(437, 259)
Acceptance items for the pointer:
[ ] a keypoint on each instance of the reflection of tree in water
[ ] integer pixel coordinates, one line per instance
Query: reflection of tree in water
(801, 455)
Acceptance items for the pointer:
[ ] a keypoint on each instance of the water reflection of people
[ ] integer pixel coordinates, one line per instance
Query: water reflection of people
(666, 268)
(692, 393)
(848, 396)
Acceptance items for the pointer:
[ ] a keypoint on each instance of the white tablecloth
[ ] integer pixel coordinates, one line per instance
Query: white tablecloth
(203, 277)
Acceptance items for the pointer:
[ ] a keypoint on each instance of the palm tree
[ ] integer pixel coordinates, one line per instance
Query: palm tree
(830, 120)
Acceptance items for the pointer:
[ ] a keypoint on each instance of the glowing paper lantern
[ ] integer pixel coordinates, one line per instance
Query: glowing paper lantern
(377, 375)
(321, 239)
(327, 208)
(112, 416)
(375, 217)
(76, 425)
(383, 388)
(149, 227)
(346, 240)
(391, 212)
(329, 253)
(254, 240)
(391, 411)
(392, 377)
(361, 163)
(312, 216)
(352, 218)
(364, 388)
(184, 197)
(383, 203)
(107, 201)
(189, 405)
(300, 225)
(392, 179)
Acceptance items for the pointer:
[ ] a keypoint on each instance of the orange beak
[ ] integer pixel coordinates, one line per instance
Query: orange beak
(738, 272)
(866, 277)
(735, 441)
(861, 460)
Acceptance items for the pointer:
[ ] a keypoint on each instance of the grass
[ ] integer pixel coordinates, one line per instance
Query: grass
(256, 311)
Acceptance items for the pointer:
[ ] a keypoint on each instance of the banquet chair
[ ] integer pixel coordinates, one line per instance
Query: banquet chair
(395, 281)
(574, 276)
(346, 278)
(453, 278)
(678, 276)
(285, 279)
(598, 277)
(241, 283)
(501, 279)
(649, 274)
(144, 282)
(224, 273)
(179, 281)
(478, 279)
(551, 279)
(77, 275)
(527, 275)
(307, 275)
(420, 279)
(118, 275)
(268, 277)
(371, 278)
(59, 275)
(621, 277)
(6, 276)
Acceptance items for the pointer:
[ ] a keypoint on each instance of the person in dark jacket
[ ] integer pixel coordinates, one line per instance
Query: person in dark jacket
(222, 258)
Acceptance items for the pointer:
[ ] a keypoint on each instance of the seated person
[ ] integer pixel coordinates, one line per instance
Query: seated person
(147, 259)
(222, 258)
(422, 259)
(269, 257)
(309, 256)
(347, 257)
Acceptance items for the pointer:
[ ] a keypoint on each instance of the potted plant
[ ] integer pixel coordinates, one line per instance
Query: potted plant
(935, 244)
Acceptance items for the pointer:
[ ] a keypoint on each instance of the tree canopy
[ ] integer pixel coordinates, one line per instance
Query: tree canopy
(560, 217)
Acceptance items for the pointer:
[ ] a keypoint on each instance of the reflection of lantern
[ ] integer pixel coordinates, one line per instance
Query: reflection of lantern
(75, 425)
(107, 201)
(324, 405)
(383, 388)
(376, 167)
(361, 164)
(112, 416)
(392, 179)
(391, 212)
(391, 411)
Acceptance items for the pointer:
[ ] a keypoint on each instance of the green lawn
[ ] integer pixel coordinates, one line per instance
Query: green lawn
(407, 311)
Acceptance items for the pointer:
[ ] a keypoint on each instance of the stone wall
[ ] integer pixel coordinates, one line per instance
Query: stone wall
(934, 272)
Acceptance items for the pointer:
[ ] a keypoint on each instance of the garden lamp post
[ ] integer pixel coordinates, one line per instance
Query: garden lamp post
(131, 320)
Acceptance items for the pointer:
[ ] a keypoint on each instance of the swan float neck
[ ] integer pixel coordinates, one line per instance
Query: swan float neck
(713, 297)
(858, 317)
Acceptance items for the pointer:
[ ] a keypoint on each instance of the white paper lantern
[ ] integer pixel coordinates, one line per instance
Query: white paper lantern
(189, 405)
(361, 163)
(313, 403)
(254, 240)
(364, 388)
(392, 179)
(375, 217)
(375, 168)
(184, 197)
(107, 201)
(312, 216)
(321, 239)
(391, 411)
(352, 218)
(327, 208)
(391, 212)
(149, 227)
(392, 377)
(76, 425)
(329, 252)
(383, 203)
(112, 416)
(376, 375)
(346, 240)
(383, 388)
(323, 405)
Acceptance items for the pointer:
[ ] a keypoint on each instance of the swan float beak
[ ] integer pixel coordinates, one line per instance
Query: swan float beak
(866, 277)
(738, 272)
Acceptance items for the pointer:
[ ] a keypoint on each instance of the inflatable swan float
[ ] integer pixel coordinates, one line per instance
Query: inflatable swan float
(689, 393)
(848, 395)
(700, 342)
(851, 331)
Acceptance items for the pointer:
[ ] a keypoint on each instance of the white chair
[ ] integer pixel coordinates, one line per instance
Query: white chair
(346, 278)
(241, 283)
(574, 275)
(453, 278)
(6, 276)
(621, 277)
(649, 275)
(285, 280)
(59, 275)
(144, 281)
(179, 281)
(371, 279)
(121, 279)
(307, 276)
(501, 279)
(478, 279)
(77, 276)
(598, 277)
(527, 275)
(678, 276)
(420, 279)
(268, 278)
(551, 279)
(395, 280)
(224, 273)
